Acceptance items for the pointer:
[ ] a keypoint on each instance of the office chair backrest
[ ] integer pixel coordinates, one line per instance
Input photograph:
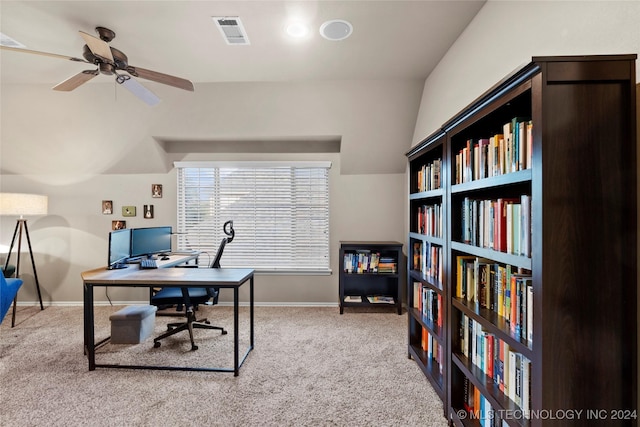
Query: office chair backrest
(231, 234)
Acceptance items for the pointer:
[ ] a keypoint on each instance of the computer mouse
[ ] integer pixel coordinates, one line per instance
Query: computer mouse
(164, 258)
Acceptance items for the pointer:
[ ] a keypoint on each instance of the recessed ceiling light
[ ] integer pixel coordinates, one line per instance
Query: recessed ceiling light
(297, 29)
(336, 29)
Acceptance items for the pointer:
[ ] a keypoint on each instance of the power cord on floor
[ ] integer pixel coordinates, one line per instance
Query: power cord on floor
(106, 294)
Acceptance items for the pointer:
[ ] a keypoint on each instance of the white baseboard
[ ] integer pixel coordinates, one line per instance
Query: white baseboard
(221, 304)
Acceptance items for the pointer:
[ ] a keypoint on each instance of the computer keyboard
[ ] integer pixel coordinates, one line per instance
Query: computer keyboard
(148, 263)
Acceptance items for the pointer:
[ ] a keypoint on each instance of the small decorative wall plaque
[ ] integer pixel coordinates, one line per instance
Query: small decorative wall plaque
(128, 211)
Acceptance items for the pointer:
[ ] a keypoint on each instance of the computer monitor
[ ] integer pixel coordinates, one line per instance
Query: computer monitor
(150, 241)
(119, 248)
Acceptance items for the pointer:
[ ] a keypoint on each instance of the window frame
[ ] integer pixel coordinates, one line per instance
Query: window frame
(320, 251)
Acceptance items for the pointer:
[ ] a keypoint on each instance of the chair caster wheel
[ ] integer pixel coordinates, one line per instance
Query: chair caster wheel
(224, 332)
(156, 344)
(207, 322)
(194, 347)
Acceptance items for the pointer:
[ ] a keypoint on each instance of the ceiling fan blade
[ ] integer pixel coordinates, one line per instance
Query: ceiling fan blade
(74, 81)
(52, 55)
(166, 79)
(97, 46)
(137, 89)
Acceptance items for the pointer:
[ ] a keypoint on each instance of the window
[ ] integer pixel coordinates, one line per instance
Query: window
(280, 213)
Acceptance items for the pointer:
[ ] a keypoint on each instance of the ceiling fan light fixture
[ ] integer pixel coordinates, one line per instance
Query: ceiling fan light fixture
(336, 29)
(5, 40)
(137, 89)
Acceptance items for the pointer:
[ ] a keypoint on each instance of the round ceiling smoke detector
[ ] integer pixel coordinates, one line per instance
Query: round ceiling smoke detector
(336, 30)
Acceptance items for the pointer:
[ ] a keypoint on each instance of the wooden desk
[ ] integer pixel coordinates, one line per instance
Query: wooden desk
(132, 276)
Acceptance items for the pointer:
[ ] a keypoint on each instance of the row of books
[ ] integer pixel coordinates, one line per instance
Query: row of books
(427, 258)
(428, 302)
(500, 288)
(429, 176)
(368, 262)
(479, 408)
(502, 224)
(387, 265)
(429, 220)
(432, 349)
(373, 299)
(509, 370)
(502, 153)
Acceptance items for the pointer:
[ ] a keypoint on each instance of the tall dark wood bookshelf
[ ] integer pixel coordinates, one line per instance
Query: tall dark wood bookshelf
(426, 293)
(536, 267)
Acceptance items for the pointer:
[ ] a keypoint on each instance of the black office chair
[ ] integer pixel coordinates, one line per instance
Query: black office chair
(191, 298)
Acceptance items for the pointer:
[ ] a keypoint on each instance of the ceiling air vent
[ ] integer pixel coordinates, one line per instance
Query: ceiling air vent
(232, 30)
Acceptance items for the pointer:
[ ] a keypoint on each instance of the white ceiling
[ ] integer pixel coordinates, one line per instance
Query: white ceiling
(390, 40)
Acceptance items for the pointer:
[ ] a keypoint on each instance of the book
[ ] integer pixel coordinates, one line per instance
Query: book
(352, 298)
(481, 274)
(517, 221)
(417, 256)
(500, 215)
(462, 290)
(417, 296)
(468, 395)
(499, 377)
(526, 386)
(525, 230)
(512, 375)
(529, 292)
(506, 368)
(505, 158)
(529, 144)
(380, 299)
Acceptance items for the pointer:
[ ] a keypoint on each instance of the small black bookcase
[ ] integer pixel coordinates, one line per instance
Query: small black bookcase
(370, 274)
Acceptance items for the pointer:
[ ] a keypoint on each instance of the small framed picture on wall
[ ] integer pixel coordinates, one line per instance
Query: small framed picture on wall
(107, 207)
(118, 225)
(156, 191)
(148, 211)
(128, 211)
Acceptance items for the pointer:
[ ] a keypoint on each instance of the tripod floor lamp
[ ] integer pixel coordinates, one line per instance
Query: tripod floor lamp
(18, 204)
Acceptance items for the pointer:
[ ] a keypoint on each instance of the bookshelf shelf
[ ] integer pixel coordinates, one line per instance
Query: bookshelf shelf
(512, 178)
(370, 271)
(534, 259)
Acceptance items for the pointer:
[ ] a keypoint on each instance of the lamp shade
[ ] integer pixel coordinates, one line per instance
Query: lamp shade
(23, 204)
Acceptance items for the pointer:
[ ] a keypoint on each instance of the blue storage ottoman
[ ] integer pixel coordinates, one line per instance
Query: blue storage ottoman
(132, 324)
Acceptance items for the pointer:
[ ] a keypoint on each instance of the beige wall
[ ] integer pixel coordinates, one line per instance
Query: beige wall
(89, 145)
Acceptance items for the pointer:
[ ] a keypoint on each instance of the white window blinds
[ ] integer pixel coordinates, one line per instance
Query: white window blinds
(280, 213)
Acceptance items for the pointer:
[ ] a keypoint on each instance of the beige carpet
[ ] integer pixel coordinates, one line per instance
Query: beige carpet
(310, 367)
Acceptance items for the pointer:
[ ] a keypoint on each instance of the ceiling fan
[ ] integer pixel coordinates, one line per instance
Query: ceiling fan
(111, 61)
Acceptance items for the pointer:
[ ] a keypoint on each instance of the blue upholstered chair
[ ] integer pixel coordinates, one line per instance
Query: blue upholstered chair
(8, 291)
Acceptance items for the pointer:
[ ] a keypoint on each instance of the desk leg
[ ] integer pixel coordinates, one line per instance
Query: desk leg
(236, 368)
(251, 312)
(89, 333)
